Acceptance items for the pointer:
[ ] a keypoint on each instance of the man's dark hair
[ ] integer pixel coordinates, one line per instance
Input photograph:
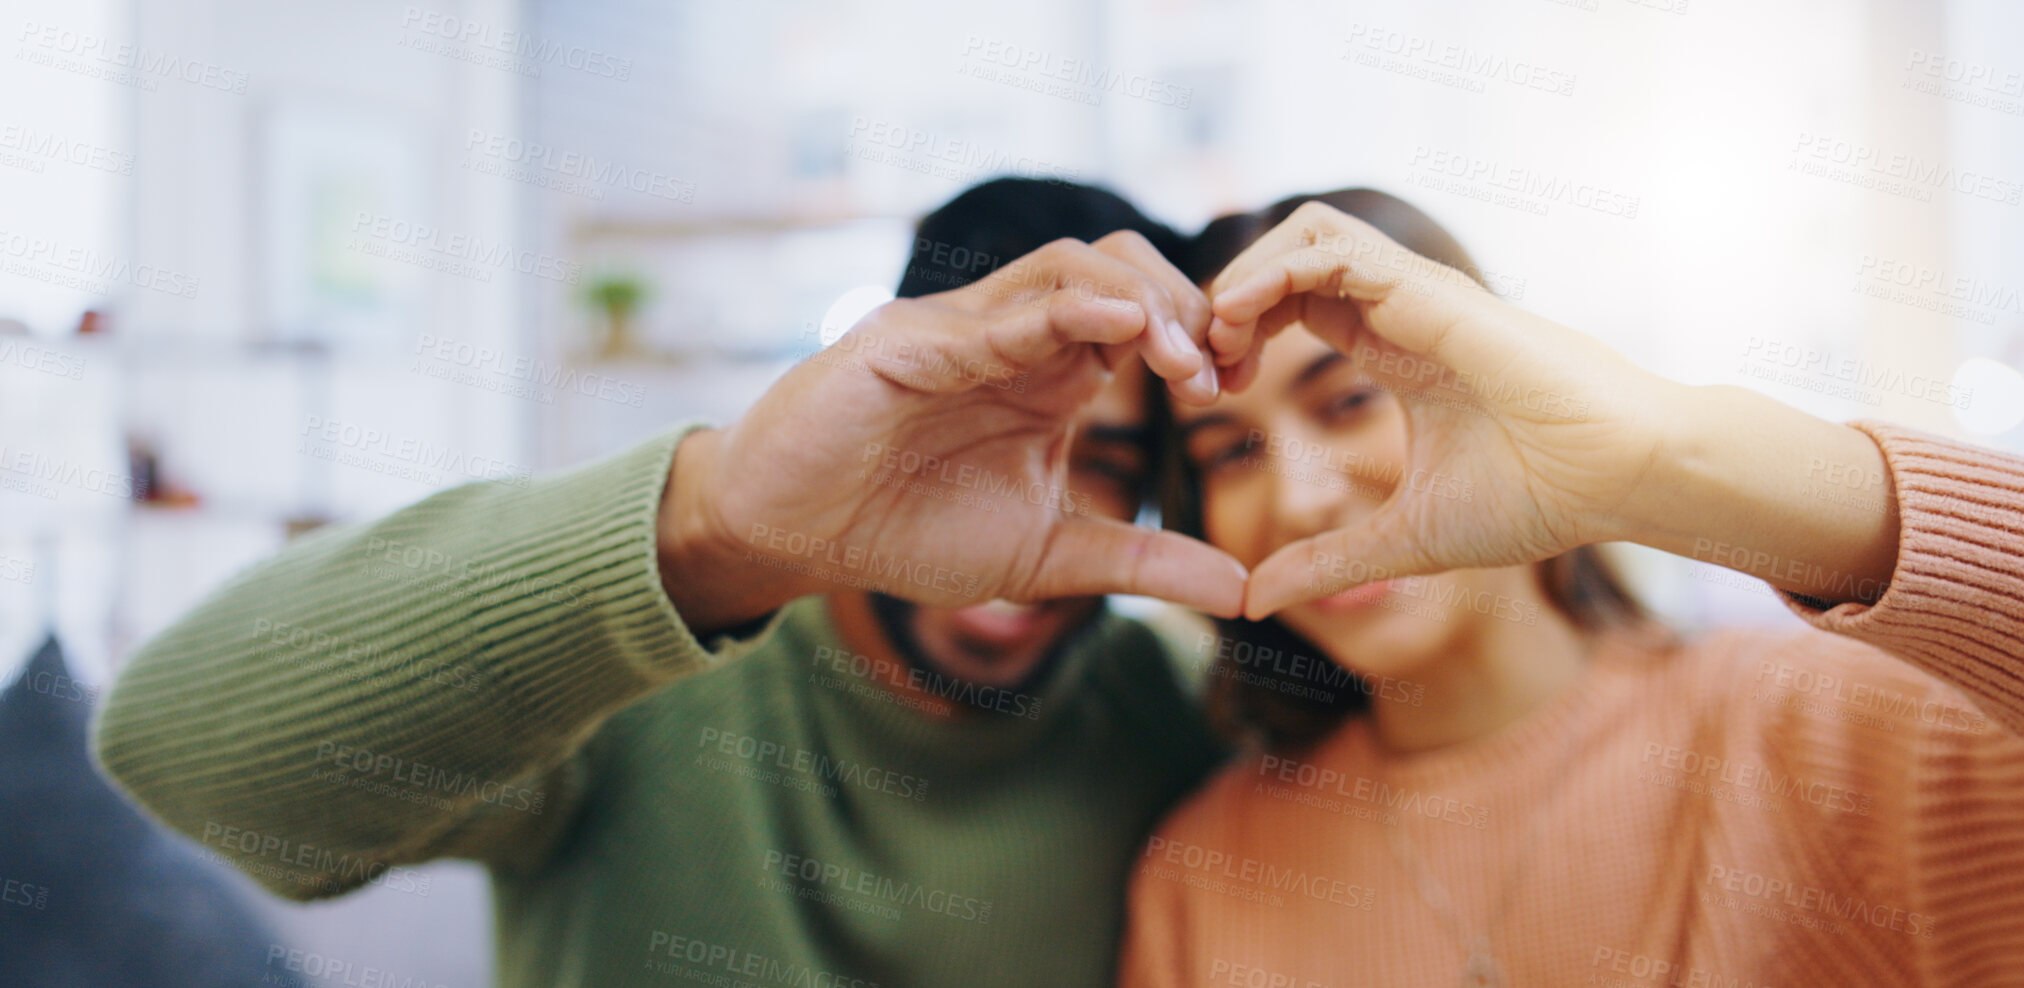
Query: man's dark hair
(1002, 220)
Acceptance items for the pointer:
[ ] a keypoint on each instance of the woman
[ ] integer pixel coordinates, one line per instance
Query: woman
(1525, 781)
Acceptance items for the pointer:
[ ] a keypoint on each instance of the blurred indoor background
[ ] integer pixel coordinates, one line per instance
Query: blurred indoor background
(265, 266)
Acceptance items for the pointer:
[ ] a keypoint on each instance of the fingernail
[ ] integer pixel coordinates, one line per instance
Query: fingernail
(1179, 337)
(1205, 379)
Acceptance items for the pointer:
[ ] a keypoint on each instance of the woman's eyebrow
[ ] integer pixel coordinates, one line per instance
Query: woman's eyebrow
(1319, 366)
(1194, 425)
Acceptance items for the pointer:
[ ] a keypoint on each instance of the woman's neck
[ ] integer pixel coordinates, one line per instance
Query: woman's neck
(1490, 675)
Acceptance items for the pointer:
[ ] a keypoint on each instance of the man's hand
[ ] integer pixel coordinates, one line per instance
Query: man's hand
(984, 382)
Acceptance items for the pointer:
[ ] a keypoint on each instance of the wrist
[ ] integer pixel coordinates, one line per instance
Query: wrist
(1737, 483)
(706, 570)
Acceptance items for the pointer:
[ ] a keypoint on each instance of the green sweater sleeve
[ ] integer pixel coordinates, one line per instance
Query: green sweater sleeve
(409, 688)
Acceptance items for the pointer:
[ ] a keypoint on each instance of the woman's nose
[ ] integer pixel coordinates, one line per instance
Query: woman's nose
(1317, 486)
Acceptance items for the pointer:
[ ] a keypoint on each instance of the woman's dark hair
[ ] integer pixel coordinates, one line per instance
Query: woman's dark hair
(1268, 684)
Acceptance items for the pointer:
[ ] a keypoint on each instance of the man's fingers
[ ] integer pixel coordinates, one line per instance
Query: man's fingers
(1071, 282)
(1089, 556)
(1191, 307)
(1175, 344)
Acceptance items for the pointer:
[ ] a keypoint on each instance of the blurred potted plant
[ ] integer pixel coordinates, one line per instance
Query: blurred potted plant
(618, 295)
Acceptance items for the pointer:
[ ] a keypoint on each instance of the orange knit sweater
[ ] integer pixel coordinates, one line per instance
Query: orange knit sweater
(1841, 806)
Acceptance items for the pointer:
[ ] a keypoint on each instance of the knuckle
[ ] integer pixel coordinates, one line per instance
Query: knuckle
(1131, 239)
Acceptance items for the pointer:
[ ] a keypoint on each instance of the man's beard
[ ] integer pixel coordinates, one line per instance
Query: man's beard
(895, 618)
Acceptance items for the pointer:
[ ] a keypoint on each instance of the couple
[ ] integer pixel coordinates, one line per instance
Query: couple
(781, 728)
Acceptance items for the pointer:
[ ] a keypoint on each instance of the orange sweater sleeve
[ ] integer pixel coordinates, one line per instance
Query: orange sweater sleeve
(1955, 609)
(1955, 604)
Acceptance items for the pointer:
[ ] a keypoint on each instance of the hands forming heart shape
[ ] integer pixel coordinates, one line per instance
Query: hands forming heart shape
(1553, 430)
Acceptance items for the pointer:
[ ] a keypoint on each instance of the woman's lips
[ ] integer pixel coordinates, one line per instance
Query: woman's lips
(1353, 599)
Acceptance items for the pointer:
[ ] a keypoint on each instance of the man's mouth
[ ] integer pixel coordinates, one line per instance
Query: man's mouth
(999, 622)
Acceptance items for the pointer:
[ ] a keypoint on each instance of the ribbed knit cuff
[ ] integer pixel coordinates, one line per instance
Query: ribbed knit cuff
(618, 536)
(1955, 604)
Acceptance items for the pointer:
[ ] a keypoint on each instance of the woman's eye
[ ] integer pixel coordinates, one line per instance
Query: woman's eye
(1229, 453)
(1350, 403)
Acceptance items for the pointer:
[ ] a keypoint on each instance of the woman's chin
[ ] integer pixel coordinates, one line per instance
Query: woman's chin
(1375, 640)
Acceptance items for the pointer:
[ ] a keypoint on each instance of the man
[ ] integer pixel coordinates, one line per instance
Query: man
(923, 785)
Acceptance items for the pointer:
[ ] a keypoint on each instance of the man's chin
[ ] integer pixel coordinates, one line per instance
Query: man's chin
(997, 643)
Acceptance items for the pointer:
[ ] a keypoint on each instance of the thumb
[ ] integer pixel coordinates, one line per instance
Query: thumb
(1089, 556)
(1372, 550)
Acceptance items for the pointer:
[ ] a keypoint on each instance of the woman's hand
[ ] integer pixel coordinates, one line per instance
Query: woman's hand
(1561, 440)
(1550, 430)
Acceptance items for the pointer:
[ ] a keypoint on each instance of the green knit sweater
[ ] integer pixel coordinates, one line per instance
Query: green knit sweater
(496, 673)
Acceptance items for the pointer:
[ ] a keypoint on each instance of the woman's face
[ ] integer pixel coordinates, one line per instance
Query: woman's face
(1311, 446)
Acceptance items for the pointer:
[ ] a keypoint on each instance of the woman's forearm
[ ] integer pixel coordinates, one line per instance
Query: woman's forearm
(1757, 486)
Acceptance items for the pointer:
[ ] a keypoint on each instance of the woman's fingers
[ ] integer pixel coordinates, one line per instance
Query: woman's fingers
(1380, 547)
